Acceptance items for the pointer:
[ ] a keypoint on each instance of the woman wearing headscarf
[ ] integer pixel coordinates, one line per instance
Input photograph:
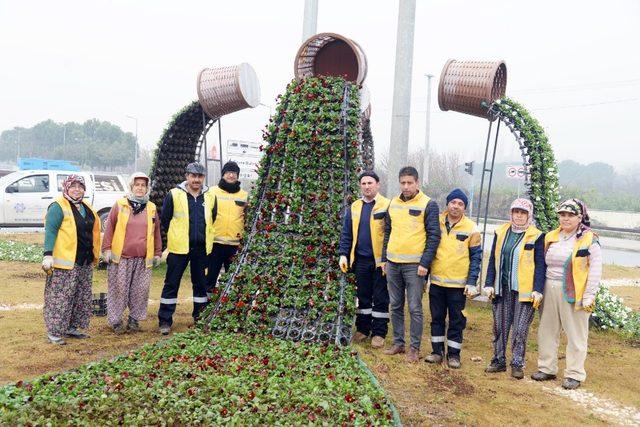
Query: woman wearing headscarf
(515, 281)
(574, 269)
(131, 247)
(71, 248)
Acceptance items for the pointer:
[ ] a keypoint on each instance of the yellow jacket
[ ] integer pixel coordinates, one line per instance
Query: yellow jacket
(526, 262)
(450, 267)
(229, 224)
(408, 236)
(178, 233)
(376, 224)
(579, 262)
(66, 245)
(119, 234)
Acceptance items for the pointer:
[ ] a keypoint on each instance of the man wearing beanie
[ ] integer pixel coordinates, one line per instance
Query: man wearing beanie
(454, 273)
(361, 250)
(229, 225)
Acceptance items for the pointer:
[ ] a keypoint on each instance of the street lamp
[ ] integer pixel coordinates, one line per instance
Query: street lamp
(135, 149)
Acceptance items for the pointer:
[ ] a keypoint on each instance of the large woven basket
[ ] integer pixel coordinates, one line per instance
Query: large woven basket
(471, 86)
(227, 89)
(331, 54)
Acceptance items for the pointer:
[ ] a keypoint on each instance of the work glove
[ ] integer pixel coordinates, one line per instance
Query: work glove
(537, 299)
(47, 264)
(106, 256)
(489, 292)
(588, 304)
(157, 261)
(470, 291)
(344, 265)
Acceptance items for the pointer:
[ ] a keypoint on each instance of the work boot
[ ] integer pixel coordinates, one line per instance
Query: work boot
(133, 325)
(74, 333)
(165, 329)
(495, 367)
(413, 356)
(358, 337)
(377, 342)
(454, 362)
(517, 373)
(119, 329)
(541, 376)
(433, 358)
(394, 349)
(570, 384)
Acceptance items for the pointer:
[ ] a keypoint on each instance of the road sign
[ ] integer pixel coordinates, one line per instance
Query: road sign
(247, 155)
(516, 172)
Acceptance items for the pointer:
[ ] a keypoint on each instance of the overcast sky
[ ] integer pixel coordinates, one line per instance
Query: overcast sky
(574, 64)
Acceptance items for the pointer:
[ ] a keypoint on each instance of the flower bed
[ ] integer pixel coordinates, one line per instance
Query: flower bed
(194, 378)
(611, 314)
(17, 251)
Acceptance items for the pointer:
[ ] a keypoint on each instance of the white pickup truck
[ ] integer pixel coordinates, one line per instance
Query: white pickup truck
(25, 195)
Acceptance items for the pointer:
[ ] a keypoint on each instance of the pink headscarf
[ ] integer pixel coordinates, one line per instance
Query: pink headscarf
(525, 205)
(72, 179)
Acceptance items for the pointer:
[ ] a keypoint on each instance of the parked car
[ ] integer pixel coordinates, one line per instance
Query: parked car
(27, 194)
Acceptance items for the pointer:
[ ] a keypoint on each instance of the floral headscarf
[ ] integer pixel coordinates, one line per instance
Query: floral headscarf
(72, 179)
(138, 203)
(525, 205)
(577, 207)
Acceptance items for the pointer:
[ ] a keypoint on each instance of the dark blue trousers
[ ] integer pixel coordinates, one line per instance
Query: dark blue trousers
(372, 315)
(220, 255)
(443, 301)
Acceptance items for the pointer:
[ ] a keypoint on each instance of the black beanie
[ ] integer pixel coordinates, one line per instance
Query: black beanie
(230, 167)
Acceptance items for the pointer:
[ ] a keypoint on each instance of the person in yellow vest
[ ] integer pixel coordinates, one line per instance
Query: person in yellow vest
(188, 213)
(131, 247)
(515, 282)
(411, 238)
(574, 270)
(229, 224)
(360, 249)
(454, 273)
(71, 249)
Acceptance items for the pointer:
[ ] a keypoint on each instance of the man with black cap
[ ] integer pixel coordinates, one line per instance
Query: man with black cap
(188, 213)
(229, 224)
(361, 249)
(454, 273)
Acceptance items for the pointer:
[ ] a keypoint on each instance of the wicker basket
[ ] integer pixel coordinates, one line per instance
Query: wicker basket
(331, 54)
(227, 89)
(471, 86)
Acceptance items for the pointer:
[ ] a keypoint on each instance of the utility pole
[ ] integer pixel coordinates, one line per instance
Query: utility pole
(425, 168)
(135, 149)
(310, 21)
(399, 143)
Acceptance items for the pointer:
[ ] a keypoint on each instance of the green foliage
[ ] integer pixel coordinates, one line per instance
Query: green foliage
(18, 251)
(216, 379)
(543, 169)
(611, 314)
(293, 227)
(93, 143)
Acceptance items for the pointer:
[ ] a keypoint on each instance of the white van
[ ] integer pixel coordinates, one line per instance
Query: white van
(25, 195)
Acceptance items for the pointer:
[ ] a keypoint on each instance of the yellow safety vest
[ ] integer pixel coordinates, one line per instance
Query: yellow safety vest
(526, 263)
(579, 261)
(450, 267)
(408, 236)
(119, 234)
(178, 234)
(376, 226)
(66, 245)
(229, 224)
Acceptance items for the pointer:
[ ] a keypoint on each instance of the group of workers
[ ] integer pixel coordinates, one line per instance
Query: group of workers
(397, 247)
(394, 247)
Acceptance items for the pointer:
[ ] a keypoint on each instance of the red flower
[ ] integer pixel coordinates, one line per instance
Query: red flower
(240, 304)
(349, 398)
(224, 299)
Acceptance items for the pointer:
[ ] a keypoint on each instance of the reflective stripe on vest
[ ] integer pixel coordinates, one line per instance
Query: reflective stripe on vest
(376, 226)
(119, 234)
(178, 234)
(408, 236)
(229, 224)
(66, 244)
(526, 263)
(450, 267)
